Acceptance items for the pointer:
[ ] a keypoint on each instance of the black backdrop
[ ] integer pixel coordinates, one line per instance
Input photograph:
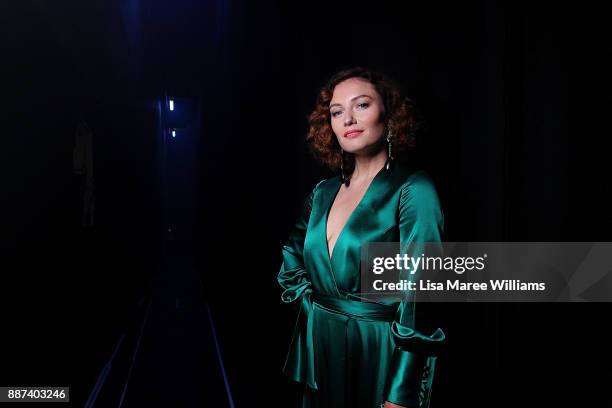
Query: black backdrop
(516, 96)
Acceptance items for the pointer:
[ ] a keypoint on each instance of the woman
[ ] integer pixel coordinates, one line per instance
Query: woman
(346, 351)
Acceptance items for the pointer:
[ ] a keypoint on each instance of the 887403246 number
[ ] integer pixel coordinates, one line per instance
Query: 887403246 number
(25, 394)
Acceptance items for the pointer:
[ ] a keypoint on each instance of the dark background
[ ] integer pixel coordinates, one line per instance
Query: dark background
(516, 96)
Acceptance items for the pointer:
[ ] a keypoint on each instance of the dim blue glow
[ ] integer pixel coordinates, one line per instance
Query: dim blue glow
(171, 104)
(173, 132)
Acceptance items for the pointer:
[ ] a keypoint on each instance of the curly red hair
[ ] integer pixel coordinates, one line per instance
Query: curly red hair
(398, 115)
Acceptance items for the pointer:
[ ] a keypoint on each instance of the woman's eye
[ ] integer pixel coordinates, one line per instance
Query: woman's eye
(336, 113)
(363, 105)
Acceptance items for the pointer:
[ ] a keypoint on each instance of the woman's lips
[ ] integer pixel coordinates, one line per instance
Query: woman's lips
(353, 134)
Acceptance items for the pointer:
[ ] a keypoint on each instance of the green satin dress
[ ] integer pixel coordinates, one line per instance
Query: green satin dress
(345, 351)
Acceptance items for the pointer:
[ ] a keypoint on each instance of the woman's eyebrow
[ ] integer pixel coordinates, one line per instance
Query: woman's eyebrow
(352, 99)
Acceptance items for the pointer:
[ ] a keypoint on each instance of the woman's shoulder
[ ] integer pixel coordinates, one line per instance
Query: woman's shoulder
(419, 183)
(325, 182)
(317, 188)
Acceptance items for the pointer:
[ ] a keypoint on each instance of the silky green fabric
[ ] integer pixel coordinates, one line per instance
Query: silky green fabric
(345, 351)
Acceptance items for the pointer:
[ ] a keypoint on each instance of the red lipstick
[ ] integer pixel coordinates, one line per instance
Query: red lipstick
(352, 133)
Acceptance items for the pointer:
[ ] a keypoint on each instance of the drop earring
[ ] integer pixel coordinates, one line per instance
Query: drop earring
(343, 176)
(388, 163)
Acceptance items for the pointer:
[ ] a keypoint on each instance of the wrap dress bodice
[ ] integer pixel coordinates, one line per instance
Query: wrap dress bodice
(344, 350)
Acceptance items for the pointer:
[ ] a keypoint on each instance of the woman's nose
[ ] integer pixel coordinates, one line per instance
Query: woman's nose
(348, 119)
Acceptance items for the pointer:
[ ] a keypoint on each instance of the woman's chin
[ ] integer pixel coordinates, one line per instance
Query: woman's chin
(355, 146)
(361, 149)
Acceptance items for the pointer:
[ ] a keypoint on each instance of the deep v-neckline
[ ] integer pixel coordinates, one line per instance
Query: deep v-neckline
(330, 254)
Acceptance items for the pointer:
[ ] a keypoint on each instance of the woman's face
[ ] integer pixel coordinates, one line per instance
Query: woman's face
(356, 115)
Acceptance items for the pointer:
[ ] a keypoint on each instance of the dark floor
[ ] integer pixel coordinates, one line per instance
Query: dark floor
(168, 357)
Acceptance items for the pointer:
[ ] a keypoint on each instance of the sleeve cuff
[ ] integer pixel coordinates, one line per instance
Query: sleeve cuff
(410, 374)
(411, 340)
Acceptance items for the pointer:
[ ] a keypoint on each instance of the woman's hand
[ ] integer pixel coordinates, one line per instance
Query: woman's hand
(392, 405)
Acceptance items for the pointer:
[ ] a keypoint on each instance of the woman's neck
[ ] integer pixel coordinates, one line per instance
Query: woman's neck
(367, 167)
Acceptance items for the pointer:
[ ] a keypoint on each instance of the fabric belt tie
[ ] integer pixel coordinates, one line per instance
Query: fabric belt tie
(355, 309)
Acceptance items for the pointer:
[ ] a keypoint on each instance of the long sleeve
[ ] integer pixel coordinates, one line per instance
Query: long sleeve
(293, 279)
(292, 276)
(412, 366)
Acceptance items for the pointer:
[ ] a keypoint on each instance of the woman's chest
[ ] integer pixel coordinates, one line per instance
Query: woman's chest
(341, 209)
(368, 221)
